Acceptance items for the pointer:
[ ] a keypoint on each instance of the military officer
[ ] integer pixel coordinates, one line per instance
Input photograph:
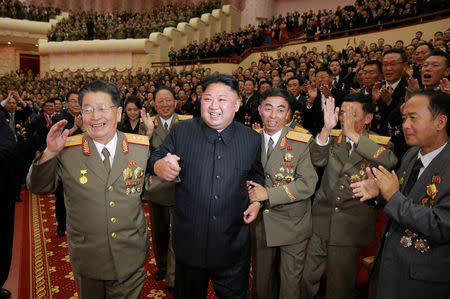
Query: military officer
(102, 172)
(341, 223)
(161, 194)
(285, 223)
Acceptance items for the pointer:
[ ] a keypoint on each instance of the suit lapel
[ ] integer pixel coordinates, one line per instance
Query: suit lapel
(263, 151)
(275, 156)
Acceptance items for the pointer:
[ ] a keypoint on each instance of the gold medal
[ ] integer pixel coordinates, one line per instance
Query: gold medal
(83, 178)
(288, 178)
(362, 172)
(432, 191)
(127, 174)
(288, 157)
(279, 177)
(138, 173)
(355, 178)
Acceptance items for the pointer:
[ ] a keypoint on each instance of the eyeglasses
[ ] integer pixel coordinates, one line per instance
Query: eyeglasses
(392, 64)
(103, 109)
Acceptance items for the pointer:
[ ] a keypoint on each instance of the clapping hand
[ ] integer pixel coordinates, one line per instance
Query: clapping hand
(148, 122)
(366, 189)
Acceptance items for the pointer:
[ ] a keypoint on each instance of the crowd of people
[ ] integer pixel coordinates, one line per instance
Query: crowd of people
(121, 25)
(19, 10)
(303, 90)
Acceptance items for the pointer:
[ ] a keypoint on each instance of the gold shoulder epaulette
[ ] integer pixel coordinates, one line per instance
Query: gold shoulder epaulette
(335, 132)
(298, 136)
(301, 129)
(137, 139)
(185, 117)
(383, 140)
(74, 140)
(258, 130)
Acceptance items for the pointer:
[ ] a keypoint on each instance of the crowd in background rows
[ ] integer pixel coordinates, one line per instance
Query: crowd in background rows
(18, 10)
(121, 25)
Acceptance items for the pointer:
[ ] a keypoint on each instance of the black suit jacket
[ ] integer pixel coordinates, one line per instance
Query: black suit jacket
(404, 271)
(208, 227)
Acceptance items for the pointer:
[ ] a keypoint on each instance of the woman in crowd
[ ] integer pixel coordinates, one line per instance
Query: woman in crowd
(131, 120)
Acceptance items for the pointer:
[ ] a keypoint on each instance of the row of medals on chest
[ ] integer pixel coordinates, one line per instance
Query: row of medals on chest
(132, 178)
(286, 171)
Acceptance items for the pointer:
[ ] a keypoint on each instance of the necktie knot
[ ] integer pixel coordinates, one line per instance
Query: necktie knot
(166, 126)
(106, 161)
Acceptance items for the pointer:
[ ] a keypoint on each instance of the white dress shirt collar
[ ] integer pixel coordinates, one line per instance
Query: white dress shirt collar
(110, 146)
(426, 159)
(275, 138)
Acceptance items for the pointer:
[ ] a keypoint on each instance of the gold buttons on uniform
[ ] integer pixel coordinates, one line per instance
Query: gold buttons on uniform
(341, 187)
(266, 211)
(112, 204)
(113, 220)
(113, 235)
(338, 199)
(110, 188)
(336, 210)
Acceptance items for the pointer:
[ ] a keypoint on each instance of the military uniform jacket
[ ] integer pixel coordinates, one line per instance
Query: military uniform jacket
(413, 259)
(337, 217)
(160, 191)
(106, 227)
(290, 180)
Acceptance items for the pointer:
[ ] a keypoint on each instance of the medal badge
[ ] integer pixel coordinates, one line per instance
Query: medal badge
(83, 178)
(288, 157)
(127, 174)
(432, 191)
(138, 173)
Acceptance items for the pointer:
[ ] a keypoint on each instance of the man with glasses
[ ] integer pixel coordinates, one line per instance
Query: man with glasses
(102, 172)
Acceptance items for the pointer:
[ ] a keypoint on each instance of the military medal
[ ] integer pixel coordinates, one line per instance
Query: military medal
(355, 178)
(138, 172)
(127, 191)
(288, 179)
(288, 157)
(402, 179)
(83, 178)
(282, 169)
(127, 174)
(133, 190)
(432, 191)
(421, 245)
(279, 177)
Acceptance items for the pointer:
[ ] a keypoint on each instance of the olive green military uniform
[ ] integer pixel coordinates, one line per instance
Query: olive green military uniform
(284, 225)
(341, 223)
(161, 197)
(106, 226)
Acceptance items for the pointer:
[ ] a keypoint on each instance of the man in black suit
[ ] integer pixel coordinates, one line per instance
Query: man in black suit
(17, 118)
(7, 148)
(413, 258)
(213, 157)
(42, 124)
(312, 115)
(389, 95)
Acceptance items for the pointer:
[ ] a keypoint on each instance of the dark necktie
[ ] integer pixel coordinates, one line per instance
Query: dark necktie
(166, 127)
(106, 162)
(270, 148)
(412, 177)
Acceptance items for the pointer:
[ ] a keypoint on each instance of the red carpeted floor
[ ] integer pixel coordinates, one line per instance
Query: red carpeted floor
(51, 274)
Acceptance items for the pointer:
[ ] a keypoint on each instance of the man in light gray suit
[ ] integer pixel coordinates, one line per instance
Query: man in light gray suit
(413, 259)
(283, 227)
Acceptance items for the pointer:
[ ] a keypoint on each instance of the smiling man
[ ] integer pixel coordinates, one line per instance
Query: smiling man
(434, 69)
(213, 157)
(285, 223)
(102, 172)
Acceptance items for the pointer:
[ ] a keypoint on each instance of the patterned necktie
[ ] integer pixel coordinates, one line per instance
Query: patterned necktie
(412, 177)
(106, 162)
(166, 127)
(270, 148)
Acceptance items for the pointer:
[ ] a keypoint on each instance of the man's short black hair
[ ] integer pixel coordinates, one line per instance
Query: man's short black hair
(72, 91)
(101, 86)
(335, 60)
(222, 78)
(402, 53)
(163, 87)
(264, 81)
(293, 78)
(439, 103)
(324, 69)
(442, 54)
(278, 92)
(52, 100)
(367, 103)
(249, 79)
(429, 45)
(375, 62)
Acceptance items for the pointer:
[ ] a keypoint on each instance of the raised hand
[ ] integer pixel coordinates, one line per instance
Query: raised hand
(444, 85)
(312, 92)
(386, 94)
(148, 122)
(330, 114)
(376, 92)
(413, 84)
(386, 181)
(56, 139)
